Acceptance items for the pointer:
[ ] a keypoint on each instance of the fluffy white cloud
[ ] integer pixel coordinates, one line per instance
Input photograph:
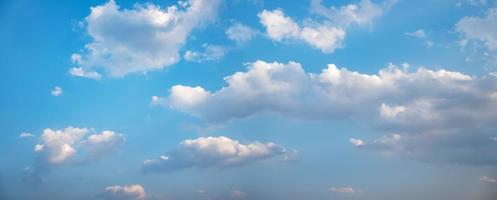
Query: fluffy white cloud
(488, 179)
(280, 27)
(429, 115)
(125, 192)
(327, 35)
(481, 29)
(57, 145)
(206, 152)
(141, 39)
(240, 33)
(60, 146)
(210, 53)
(56, 91)
(357, 142)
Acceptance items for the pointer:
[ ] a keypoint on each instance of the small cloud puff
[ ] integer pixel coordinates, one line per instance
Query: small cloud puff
(56, 91)
(125, 192)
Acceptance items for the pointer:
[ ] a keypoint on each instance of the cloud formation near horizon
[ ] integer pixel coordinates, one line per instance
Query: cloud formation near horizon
(429, 115)
(207, 152)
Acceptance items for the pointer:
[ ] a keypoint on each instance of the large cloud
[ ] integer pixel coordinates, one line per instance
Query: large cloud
(141, 39)
(125, 192)
(326, 35)
(204, 152)
(430, 115)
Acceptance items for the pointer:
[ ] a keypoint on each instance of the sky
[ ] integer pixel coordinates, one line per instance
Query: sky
(248, 99)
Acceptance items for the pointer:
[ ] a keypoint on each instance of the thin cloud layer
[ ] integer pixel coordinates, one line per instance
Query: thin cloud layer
(240, 33)
(481, 29)
(429, 115)
(207, 152)
(141, 39)
(362, 13)
(210, 53)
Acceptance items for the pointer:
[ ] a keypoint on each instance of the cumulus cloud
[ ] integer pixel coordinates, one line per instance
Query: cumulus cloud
(70, 147)
(56, 91)
(280, 27)
(144, 38)
(210, 53)
(240, 33)
(125, 192)
(481, 29)
(206, 152)
(60, 146)
(429, 115)
(326, 35)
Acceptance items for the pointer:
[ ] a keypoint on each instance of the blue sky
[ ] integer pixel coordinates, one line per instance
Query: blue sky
(248, 99)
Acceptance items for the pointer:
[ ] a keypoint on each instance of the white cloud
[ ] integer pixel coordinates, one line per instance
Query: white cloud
(481, 29)
(425, 114)
(61, 146)
(488, 179)
(26, 135)
(420, 33)
(81, 72)
(56, 91)
(327, 35)
(39, 147)
(210, 53)
(280, 27)
(99, 145)
(219, 152)
(357, 142)
(125, 192)
(144, 38)
(70, 147)
(240, 33)
(362, 13)
(344, 190)
(57, 145)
